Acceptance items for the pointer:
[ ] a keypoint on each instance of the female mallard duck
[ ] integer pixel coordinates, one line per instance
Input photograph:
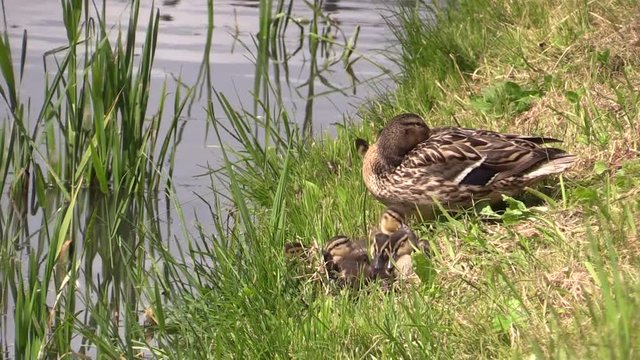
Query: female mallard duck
(347, 260)
(413, 166)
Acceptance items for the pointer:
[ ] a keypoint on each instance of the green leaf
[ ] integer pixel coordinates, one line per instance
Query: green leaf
(592, 271)
(600, 167)
(603, 56)
(481, 105)
(488, 212)
(586, 194)
(572, 96)
(512, 88)
(515, 315)
(516, 210)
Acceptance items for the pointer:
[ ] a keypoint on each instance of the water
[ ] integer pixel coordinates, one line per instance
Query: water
(179, 54)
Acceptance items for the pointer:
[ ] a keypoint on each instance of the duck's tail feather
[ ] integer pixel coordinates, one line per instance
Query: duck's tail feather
(558, 162)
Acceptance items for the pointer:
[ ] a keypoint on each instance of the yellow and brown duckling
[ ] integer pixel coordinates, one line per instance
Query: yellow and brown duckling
(411, 165)
(401, 262)
(392, 221)
(393, 253)
(295, 250)
(347, 260)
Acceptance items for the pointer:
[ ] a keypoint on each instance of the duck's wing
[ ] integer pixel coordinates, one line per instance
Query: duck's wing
(465, 158)
(536, 140)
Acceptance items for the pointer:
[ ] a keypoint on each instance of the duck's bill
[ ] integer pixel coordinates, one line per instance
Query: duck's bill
(389, 265)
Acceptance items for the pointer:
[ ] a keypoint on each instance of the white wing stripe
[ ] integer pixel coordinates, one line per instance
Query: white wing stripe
(467, 170)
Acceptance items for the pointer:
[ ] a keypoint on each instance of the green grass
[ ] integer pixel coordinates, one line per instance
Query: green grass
(555, 280)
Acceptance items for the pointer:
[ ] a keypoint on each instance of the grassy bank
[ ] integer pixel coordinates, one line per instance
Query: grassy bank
(558, 280)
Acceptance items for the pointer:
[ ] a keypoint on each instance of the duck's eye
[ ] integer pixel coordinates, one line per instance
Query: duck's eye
(413, 124)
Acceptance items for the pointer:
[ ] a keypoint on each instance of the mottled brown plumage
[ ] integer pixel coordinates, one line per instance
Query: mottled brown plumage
(347, 260)
(413, 166)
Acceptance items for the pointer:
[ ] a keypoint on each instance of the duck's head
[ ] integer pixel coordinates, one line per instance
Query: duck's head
(335, 249)
(400, 136)
(391, 221)
(402, 243)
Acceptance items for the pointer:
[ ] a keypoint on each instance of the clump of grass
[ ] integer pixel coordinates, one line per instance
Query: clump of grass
(543, 281)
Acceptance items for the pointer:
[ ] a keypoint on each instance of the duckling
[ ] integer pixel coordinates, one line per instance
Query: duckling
(381, 253)
(392, 221)
(361, 146)
(301, 260)
(347, 260)
(411, 165)
(400, 263)
(393, 253)
(294, 250)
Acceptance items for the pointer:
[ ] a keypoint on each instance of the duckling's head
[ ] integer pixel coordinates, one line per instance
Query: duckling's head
(337, 247)
(391, 221)
(345, 258)
(400, 136)
(361, 146)
(401, 243)
(341, 249)
(333, 251)
(381, 252)
(293, 250)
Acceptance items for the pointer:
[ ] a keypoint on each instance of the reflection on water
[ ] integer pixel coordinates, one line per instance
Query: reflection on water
(326, 5)
(180, 45)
